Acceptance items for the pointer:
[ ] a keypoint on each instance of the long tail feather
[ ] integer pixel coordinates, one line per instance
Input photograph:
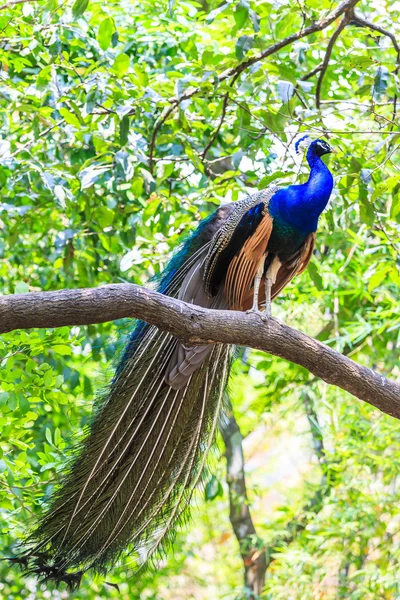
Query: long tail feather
(132, 477)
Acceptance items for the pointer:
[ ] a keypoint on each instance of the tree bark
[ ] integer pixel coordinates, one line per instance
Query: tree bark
(253, 554)
(197, 325)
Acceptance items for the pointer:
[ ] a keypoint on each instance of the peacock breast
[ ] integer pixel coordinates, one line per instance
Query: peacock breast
(285, 239)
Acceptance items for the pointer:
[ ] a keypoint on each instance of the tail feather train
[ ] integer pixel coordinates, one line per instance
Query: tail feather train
(134, 474)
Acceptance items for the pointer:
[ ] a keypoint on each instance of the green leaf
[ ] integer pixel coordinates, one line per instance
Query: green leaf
(70, 118)
(62, 349)
(381, 81)
(315, 276)
(48, 378)
(366, 210)
(105, 33)
(114, 38)
(164, 170)
(3, 398)
(24, 405)
(241, 14)
(274, 121)
(213, 488)
(395, 207)
(124, 130)
(57, 437)
(255, 19)
(104, 216)
(43, 78)
(265, 181)
(378, 277)
(12, 401)
(79, 8)
(48, 436)
(21, 288)
(214, 13)
(243, 45)
(121, 64)
(89, 175)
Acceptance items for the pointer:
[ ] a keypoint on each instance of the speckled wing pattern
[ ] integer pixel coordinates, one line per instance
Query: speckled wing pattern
(238, 265)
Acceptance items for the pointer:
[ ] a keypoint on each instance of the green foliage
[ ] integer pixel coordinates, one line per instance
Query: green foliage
(99, 182)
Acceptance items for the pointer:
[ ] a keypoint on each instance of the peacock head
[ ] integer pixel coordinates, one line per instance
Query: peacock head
(318, 147)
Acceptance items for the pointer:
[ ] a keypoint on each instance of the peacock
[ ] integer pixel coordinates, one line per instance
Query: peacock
(130, 481)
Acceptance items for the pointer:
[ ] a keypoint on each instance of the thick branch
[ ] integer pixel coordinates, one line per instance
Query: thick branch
(253, 556)
(198, 325)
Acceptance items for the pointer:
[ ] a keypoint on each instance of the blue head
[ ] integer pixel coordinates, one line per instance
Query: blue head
(316, 148)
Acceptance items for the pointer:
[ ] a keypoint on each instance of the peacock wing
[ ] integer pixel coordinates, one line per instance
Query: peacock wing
(295, 265)
(185, 360)
(291, 267)
(237, 248)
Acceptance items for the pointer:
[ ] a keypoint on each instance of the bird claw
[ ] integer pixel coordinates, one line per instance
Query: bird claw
(256, 311)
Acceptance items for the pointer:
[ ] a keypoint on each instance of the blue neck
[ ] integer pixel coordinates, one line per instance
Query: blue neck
(301, 205)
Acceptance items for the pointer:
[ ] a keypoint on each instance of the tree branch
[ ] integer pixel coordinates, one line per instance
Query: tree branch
(168, 110)
(218, 128)
(253, 556)
(198, 325)
(345, 20)
(364, 23)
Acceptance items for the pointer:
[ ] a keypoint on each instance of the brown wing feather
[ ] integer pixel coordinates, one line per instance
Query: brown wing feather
(294, 266)
(243, 267)
(289, 269)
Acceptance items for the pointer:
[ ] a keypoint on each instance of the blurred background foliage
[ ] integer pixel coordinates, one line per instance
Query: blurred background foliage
(99, 182)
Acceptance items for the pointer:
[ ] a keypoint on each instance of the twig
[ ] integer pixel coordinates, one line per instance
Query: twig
(223, 114)
(168, 110)
(313, 72)
(10, 488)
(345, 20)
(13, 2)
(218, 128)
(42, 134)
(364, 23)
(313, 28)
